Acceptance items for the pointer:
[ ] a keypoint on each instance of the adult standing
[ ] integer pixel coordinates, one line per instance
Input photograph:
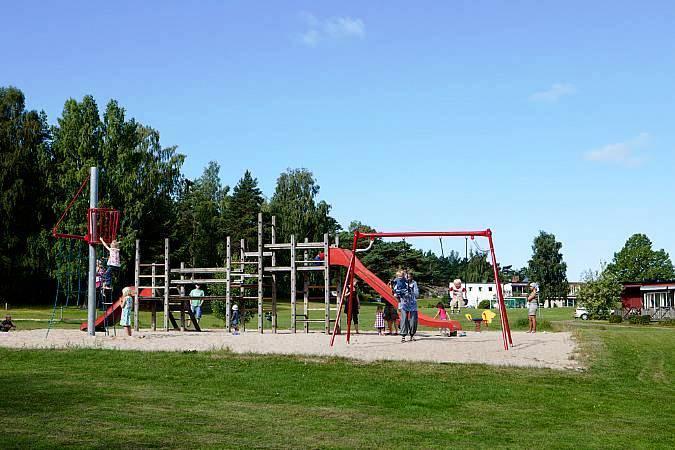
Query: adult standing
(532, 307)
(197, 301)
(409, 293)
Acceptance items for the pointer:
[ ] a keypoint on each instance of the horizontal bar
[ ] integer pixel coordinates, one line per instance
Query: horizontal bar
(200, 270)
(307, 268)
(151, 287)
(201, 281)
(152, 264)
(277, 269)
(255, 254)
(481, 233)
(286, 245)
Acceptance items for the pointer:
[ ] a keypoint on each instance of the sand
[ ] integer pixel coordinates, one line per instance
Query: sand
(544, 350)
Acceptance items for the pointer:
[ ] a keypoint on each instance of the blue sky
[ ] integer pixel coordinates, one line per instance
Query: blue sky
(516, 115)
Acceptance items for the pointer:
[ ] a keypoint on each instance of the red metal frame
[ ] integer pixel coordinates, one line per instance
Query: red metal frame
(101, 222)
(349, 278)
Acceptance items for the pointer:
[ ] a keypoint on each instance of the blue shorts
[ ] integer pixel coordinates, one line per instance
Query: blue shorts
(197, 311)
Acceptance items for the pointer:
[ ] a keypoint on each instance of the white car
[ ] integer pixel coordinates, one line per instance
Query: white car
(581, 313)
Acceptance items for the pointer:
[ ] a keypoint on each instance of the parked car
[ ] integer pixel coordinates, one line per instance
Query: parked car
(582, 313)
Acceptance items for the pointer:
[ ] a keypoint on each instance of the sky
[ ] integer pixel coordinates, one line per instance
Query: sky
(518, 116)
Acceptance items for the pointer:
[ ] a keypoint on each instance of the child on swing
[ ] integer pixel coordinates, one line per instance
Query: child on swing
(456, 296)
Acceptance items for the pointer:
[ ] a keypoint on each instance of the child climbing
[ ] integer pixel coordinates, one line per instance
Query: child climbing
(113, 263)
(234, 321)
(442, 315)
(127, 304)
(456, 296)
(379, 320)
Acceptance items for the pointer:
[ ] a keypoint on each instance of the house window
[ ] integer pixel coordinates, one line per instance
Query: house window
(470, 289)
(480, 289)
(490, 289)
(657, 300)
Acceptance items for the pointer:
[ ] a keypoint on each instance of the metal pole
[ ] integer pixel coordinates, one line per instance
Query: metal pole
(326, 283)
(506, 329)
(91, 281)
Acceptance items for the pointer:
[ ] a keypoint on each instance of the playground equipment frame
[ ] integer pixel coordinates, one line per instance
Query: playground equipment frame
(349, 278)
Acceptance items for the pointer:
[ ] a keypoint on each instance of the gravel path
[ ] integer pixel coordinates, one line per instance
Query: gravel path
(551, 350)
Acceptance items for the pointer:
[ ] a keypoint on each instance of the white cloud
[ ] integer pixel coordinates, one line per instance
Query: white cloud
(554, 93)
(332, 28)
(628, 153)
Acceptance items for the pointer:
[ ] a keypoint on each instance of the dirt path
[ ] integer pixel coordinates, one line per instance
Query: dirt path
(552, 350)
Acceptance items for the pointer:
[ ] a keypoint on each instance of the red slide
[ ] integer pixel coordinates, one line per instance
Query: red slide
(342, 257)
(112, 314)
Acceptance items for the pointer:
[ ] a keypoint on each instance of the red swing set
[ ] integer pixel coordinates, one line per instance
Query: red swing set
(348, 287)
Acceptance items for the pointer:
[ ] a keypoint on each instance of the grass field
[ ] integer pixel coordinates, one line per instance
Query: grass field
(113, 399)
(38, 317)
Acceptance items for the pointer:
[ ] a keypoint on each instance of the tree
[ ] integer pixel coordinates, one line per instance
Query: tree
(638, 262)
(201, 219)
(244, 205)
(25, 209)
(548, 268)
(295, 204)
(599, 293)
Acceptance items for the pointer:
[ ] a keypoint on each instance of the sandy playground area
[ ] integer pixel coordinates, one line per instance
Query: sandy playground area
(551, 350)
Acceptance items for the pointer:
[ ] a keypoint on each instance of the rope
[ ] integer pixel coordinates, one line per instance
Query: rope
(79, 191)
(69, 278)
(56, 297)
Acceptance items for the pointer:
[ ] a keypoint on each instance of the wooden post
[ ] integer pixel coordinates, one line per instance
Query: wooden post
(293, 286)
(305, 290)
(153, 319)
(167, 280)
(274, 276)
(326, 282)
(228, 284)
(242, 281)
(182, 302)
(260, 273)
(137, 282)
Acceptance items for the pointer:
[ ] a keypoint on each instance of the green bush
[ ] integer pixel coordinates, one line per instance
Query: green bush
(615, 318)
(484, 304)
(640, 320)
(219, 308)
(667, 323)
(542, 325)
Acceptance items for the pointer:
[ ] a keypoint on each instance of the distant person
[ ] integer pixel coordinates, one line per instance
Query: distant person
(196, 303)
(319, 257)
(354, 305)
(442, 314)
(390, 316)
(456, 296)
(127, 305)
(7, 324)
(532, 307)
(379, 320)
(234, 320)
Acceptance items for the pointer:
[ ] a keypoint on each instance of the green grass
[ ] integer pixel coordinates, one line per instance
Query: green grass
(97, 398)
(38, 317)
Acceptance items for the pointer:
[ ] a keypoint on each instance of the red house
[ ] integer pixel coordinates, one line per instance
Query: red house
(656, 299)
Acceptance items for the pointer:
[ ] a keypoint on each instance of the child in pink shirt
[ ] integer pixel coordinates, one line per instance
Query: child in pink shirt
(442, 314)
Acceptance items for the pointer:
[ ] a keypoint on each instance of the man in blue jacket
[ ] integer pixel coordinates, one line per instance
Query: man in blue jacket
(409, 313)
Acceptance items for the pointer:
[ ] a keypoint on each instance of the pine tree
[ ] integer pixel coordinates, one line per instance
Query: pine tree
(244, 205)
(548, 268)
